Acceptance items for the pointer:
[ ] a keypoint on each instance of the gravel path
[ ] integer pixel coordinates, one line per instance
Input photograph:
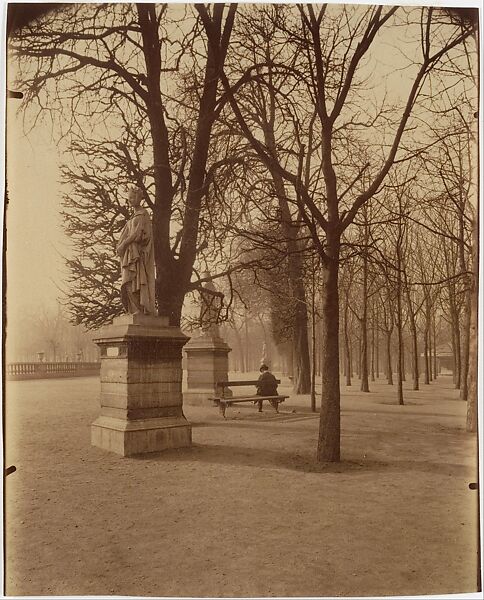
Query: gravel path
(246, 511)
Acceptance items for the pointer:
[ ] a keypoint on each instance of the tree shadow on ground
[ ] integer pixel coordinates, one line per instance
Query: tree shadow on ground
(402, 410)
(224, 454)
(256, 457)
(253, 421)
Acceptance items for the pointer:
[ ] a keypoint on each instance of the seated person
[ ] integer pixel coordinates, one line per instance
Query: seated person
(266, 385)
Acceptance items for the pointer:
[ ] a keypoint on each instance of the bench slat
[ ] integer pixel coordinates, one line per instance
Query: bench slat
(223, 403)
(248, 398)
(235, 383)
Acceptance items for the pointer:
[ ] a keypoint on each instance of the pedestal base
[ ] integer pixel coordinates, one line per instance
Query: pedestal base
(128, 438)
(141, 387)
(207, 363)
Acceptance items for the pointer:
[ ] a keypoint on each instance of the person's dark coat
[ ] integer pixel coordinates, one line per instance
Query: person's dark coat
(267, 384)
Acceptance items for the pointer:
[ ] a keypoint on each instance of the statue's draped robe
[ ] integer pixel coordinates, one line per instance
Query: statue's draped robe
(209, 311)
(138, 264)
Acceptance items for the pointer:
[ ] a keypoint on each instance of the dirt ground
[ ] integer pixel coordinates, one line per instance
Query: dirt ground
(246, 511)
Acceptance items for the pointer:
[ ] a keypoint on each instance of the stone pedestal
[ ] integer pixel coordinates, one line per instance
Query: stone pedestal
(141, 387)
(207, 360)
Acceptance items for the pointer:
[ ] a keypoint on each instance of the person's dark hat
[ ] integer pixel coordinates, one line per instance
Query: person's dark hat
(264, 368)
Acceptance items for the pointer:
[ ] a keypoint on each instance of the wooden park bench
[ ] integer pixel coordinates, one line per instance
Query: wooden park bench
(222, 401)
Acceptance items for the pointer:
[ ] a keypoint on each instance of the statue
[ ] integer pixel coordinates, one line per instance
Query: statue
(263, 360)
(136, 254)
(210, 308)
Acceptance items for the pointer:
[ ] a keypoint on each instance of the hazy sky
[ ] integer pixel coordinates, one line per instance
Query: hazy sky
(35, 239)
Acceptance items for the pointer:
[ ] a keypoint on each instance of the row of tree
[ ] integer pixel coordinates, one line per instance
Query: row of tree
(271, 151)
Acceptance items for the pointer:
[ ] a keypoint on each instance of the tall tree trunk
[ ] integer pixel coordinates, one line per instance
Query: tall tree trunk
(329, 425)
(400, 368)
(377, 341)
(426, 359)
(399, 331)
(458, 377)
(365, 386)
(463, 265)
(345, 359)
(389, 358)
(465, 346)
(471, 421)
(454, 353)
(313, 336)
(302, 363)
(347, 344)
(358, 369)
(434, 333)
(404, 359)
(351, 354)
(373, 344)
(426, 344)
(413, 329)
(454, 316)
(318, 349)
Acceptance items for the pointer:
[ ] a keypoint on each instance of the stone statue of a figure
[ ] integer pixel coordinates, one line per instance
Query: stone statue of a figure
(136, 254)
(210, 308)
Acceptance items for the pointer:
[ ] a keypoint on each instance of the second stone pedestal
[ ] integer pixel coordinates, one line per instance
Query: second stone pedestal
(141, 387)
(207, 360)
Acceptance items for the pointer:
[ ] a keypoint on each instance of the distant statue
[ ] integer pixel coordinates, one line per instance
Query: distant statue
(136, 254)
(210, 308)
(263, 359)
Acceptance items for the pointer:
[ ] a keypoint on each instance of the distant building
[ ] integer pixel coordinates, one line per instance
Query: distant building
(445, 359)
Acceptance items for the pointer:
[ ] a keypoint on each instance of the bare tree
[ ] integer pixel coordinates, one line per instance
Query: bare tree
(103, 65)
(335, 41)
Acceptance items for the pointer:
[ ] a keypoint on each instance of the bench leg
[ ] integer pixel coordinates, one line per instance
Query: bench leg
(275, 405)
(222, 408)
(260, 405)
